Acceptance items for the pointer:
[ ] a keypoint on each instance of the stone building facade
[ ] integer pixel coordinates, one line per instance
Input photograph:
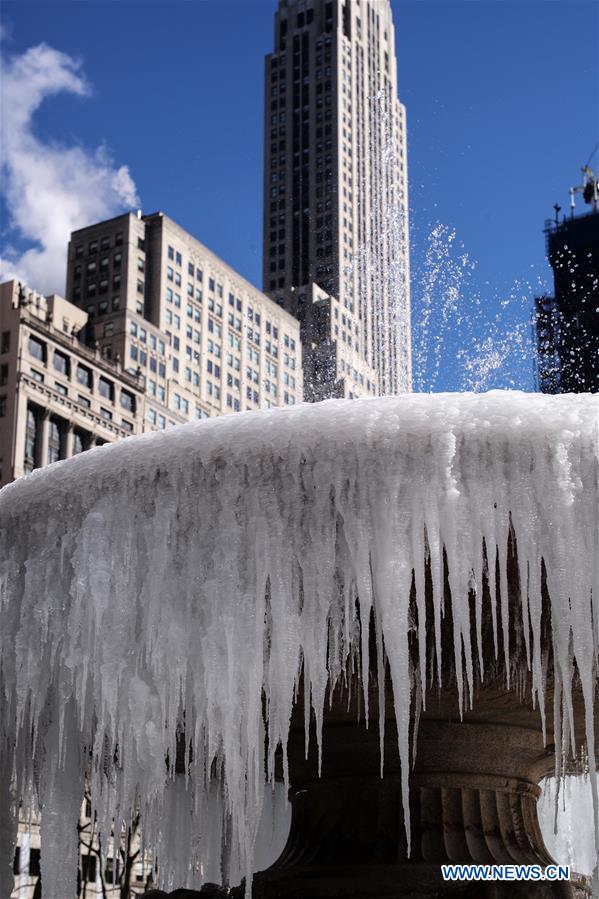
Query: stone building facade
(58, 396)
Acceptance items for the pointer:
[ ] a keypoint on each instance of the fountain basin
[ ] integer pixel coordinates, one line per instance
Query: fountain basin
(195, 581)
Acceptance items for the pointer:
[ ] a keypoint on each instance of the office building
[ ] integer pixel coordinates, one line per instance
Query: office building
(58, 396)
(160, 331)
(567, 323)
(199, 338)
(336, 249)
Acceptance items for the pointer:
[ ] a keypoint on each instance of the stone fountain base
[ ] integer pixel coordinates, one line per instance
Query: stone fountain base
(473, 800)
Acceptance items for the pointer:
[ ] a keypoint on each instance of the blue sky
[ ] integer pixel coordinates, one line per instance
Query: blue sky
(502, 100)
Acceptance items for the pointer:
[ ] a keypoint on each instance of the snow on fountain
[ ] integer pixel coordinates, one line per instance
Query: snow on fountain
(191, 578)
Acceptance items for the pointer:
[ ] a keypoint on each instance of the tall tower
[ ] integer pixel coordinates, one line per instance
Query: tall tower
(336, 249)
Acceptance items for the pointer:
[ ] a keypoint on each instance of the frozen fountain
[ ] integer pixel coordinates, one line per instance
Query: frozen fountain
(186, 615)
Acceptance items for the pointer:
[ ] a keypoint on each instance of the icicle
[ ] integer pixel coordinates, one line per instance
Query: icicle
(61, 795)
(8, 821)
(380, 675)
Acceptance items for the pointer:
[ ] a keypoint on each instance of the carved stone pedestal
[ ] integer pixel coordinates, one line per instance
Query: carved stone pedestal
(473, 798)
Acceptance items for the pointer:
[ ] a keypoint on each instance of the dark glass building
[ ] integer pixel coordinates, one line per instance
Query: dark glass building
(567, 323)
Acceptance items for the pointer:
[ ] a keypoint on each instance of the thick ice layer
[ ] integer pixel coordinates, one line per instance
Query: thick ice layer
(569, 837)
(185, 577)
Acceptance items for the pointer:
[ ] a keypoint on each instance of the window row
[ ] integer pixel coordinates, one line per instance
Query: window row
(57, 439)
(105, 243)
(155, 343)
(83, 375)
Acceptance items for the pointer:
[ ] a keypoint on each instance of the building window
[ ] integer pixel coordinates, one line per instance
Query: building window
(54, 442)
(3, 375)
(105, 413)
(31, 440)
(88, 868)
(127, 401)
(105, 388)
(34, 862)
(37, 349)
(77, 443)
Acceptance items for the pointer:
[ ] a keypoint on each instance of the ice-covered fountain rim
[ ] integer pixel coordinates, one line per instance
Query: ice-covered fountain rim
(212, 435)
(94, 545)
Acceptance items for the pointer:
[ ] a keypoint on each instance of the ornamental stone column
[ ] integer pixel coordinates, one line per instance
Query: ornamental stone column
(68, 443)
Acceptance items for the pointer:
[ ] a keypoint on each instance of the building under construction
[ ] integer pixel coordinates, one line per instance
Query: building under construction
(567, 323)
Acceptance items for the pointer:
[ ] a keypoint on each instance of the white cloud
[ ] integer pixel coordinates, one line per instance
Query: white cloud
(50, 189)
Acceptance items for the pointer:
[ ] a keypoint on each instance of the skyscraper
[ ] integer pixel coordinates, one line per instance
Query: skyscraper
(336, 250)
